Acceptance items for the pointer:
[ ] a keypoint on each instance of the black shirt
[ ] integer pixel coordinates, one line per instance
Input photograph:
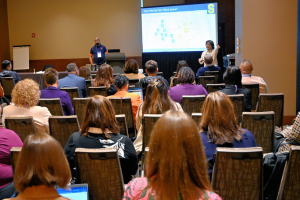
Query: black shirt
(145, 81)
(127, 154)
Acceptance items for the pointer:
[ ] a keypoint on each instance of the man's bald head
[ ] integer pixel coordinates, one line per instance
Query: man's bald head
(97, 41)
(246, 67)
(208, 59)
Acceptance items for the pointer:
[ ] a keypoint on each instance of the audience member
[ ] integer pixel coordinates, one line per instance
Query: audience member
(131, 70)
(6, 71)
(246, 70)
(85, 72)
(122, 84)
(209, 66)
(151, 69)
(175, 165)
(52, 91)
(219, 127)
(100, 129)
(233, 85)
(186, 78)
(157, 101)
(8, 139)
(41, 166)
(104, 77)
(210, 50)
(73, 80)
(181, 63)
(25, 96)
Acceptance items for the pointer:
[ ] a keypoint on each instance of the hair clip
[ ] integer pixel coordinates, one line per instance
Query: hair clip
(156, 83)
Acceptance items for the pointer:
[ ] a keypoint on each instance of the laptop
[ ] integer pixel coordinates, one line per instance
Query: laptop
(136, 90)
(76, 192)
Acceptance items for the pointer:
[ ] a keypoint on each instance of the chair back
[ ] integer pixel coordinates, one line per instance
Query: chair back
(101, 90)
(116, 74)
(62, 127)
(121, 119)
(53, 105)
(8, 85)
(124, 106)
(14, 156)
(192, 103)
(261, 124)
(88, 84)
(213, 73)
(134, 81)
(290, 182)
(72, 91)
(238, 173)
(204, 80)
(79, 108)
(238, 105)
(100, 169)
(175, 81)
(93, 76)
(272, 102)
(197, 118)
(23, 126)
(214, 87)
(254, 87)
(160, 74)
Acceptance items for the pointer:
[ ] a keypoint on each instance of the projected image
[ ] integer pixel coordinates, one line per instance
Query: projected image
(178, 28)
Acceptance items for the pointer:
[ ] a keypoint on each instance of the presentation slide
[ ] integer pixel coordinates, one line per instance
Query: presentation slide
(179, 28)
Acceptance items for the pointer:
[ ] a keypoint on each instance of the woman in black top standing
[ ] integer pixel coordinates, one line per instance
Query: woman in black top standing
(101, 130)
(233, 81)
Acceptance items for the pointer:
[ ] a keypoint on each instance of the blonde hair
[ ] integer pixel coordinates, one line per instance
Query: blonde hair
(26, 93)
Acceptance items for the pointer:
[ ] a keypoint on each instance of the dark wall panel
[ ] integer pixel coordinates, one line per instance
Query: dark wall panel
(4, 33)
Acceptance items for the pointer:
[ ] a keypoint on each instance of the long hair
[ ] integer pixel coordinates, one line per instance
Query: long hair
(99, 113)
(85, 72)
(233, 76)
(176, 163)
(42, 161)
(131, 66)
(181, 63)
(157, 99)
(104, 76)
(186, 75)
(218, 119)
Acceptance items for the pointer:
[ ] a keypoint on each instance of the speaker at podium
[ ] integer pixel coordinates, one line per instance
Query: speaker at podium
(116, 61)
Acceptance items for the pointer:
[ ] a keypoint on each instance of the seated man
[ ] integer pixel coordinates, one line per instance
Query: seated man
(122, 84)
(51, 80)
(208, 60)
(73, 80)
(246, 70)
(6, 71)
(151, 70)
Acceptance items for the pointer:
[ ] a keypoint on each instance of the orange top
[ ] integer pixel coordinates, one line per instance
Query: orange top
(135, 101)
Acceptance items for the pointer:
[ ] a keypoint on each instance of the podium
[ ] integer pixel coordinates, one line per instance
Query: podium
(21, 57)
(116, 61)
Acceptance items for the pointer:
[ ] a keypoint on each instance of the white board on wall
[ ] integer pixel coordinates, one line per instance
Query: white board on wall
(21, 57)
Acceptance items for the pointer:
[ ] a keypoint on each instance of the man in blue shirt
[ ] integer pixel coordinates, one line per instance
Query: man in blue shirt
(209, 67)
(73, 80)
(98, 52)
(6, 71)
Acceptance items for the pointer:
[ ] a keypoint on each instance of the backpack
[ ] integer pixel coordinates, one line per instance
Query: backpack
(273, 166)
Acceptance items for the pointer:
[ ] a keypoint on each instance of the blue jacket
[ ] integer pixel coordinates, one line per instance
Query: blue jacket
(201, 71)
(73, 80)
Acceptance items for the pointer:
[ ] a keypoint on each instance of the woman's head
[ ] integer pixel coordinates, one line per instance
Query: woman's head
(131, 66)
(99, 113)
(157, 99)
(233, 76)
(210, 45)
(85, 72)
(218, 119)
(181, 63)
(26, 93)
(186, 75)
(42, 161)
(104, 76)
(176, 160)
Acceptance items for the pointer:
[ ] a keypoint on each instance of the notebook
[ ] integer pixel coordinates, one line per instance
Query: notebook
(76, 192)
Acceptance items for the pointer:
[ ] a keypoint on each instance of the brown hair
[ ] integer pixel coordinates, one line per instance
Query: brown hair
(186, 75)
(85, 72)
(176, 162)
(151, 66)
(181, 63)
(26, 93)
(131, 66)
(157, 99)
(50, 76)
(42, 161)
(208, 59)
(218, 119)
(99, 113)
(104, 76)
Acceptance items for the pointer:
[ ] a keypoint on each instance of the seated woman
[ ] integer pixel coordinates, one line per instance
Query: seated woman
(219, 127)
(100, 129)
(8, 139)
(85, 72)
(131, 70)
(233, 85)
(186, 78)
(157, 101)
(104, 77)
(25, 96)
(175, 165)
(41, 165)
(181, 63)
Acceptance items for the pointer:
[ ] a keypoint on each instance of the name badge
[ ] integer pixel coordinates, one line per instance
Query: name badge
(99, 54)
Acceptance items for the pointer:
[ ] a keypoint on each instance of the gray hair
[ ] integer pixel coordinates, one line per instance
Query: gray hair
(247, 61)
(72, 67)
(208, 59)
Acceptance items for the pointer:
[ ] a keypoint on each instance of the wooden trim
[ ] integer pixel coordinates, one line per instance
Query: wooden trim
(288, 120)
